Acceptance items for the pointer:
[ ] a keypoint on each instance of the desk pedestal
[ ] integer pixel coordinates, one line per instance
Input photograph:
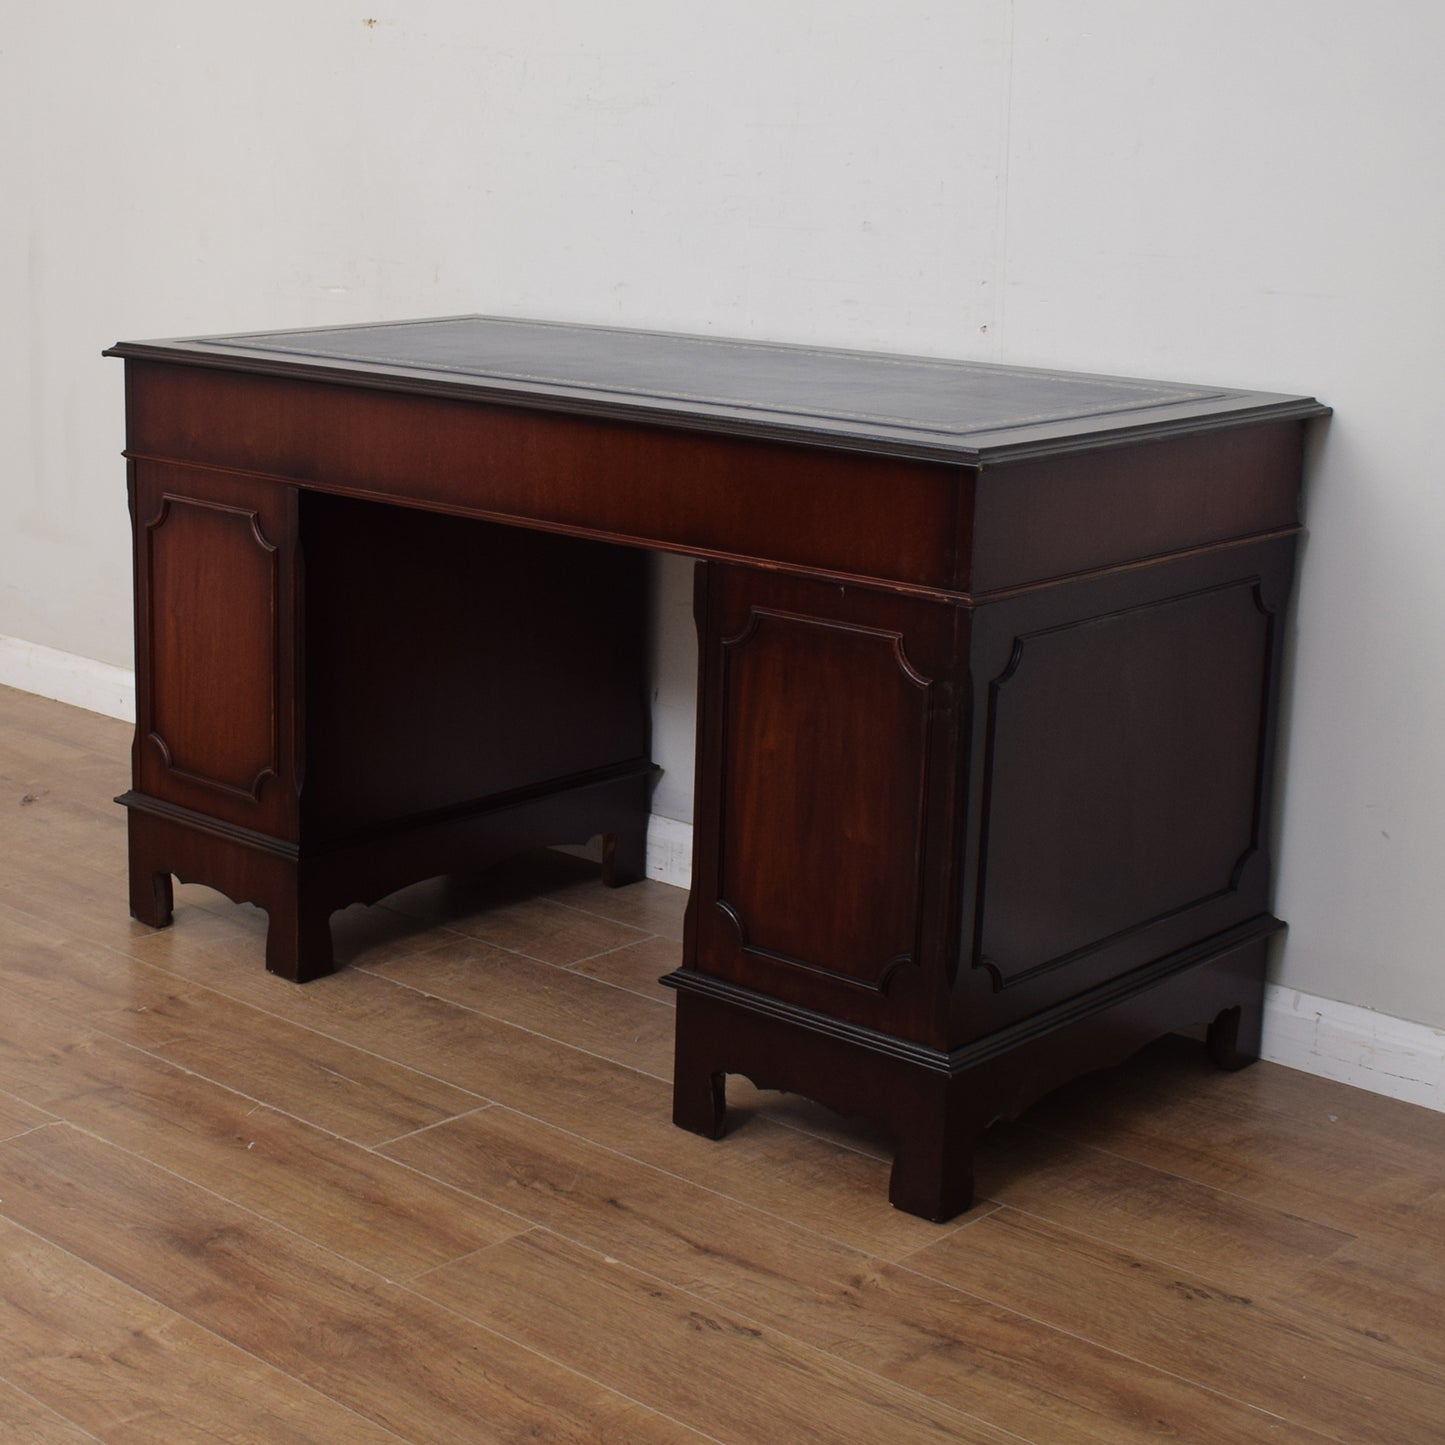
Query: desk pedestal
(337, 699)
(950, 855)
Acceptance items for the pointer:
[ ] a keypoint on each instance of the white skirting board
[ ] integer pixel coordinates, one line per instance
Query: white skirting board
(1340, 1041)
(1354, 1045)
(669, 851)
(80, 681)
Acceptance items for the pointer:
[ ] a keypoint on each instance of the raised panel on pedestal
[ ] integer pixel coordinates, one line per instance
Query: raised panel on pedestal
(823, 798)
(823, 737)
(1122, 786)
(214, 555)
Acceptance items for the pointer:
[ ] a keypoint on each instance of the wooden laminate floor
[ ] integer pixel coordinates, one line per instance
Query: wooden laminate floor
(437, 1197)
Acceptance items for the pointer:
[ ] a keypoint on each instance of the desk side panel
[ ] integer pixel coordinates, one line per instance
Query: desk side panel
(837, 512)
(1121, 766)
(1050, 517)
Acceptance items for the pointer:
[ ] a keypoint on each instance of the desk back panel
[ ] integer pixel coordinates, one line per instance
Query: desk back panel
(451, 662)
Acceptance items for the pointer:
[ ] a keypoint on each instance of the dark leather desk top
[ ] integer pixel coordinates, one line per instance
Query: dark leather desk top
(913, 406)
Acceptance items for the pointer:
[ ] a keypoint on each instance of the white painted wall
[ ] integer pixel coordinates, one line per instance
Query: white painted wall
(1240, 193)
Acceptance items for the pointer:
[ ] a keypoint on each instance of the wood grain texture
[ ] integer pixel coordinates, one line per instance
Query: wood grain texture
(350, 1093)
(828, 749)
(398, 1360)
(637, 966)
(1157, 1215)
(1184, 1254)
(345, 1197)
(219, 551)
(657, 911)
(561, 1004)
(650, 1340)
(1302, 1145)
(776, 1168)
(216, 657)
(600, 478)
(18, 1117)
(1035, 518)
(368, 652)
(27, 1421)
(1391, 1293)
(894, 1322)
(1324, 1375)
(127, 1369)
(826, 802)
(87, 898)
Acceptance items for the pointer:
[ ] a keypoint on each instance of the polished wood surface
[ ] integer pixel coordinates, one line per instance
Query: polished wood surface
(339, 698)
(435, 1197)
(988, 667)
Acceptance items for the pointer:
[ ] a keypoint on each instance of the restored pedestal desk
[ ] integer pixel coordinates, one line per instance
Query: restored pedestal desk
(986, 701)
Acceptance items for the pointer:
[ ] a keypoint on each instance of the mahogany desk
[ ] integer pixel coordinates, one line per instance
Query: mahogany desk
(986, 700)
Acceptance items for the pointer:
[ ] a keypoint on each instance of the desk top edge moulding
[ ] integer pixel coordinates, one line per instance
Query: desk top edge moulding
(988, 678)
(901, 405)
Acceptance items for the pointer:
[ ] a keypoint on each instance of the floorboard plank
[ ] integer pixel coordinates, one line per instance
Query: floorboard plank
(561, 1003)
(348, 1091)
(26, 1421)
(402, 1362)
(131, 1372)
(18, 1117)
(1304, 1146)
(1040, 1382)
(1386, 1292)
(1149, 1212)
(362, 1205)
(1241, 1344)
(685, 1356)
(637, 966)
